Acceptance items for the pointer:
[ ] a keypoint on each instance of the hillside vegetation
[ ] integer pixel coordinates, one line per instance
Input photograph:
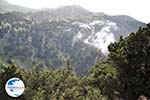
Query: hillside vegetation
(52, 37)
(124, 74)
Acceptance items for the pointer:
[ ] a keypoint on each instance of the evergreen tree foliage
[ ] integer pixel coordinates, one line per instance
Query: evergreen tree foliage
(7, 72)
(103, 75)
(49, 84)
(131, 55)
(124, 74)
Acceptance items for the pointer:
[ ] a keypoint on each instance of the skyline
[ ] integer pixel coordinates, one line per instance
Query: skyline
(136, 9)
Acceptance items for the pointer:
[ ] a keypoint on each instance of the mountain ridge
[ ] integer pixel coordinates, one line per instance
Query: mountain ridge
(52, 36)
(75, 9)
(7, 7)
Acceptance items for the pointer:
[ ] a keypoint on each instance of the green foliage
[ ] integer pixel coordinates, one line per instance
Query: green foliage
(7, 72)
(104, 76)
(28, 40)
(131, 55)
(49, 84)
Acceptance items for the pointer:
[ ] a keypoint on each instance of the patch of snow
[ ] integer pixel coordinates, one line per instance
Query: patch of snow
(77, 38)
(100, 39)
(79, 35)
(105, 29)
(101, 22)
(82, 25)
(112, 25)
(85, 26)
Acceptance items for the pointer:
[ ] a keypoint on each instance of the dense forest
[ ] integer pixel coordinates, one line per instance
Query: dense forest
(53, 36)
(28, 40)
(124, 74)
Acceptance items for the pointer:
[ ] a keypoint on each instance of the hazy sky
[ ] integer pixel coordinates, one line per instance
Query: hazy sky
(138, 9)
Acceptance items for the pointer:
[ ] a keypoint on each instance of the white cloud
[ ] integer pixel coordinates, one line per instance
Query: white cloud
(138, 9)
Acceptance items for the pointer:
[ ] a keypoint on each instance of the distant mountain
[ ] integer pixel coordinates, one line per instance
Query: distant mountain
(7, 7)
(54, 35)
(97, 29)
(73, 11)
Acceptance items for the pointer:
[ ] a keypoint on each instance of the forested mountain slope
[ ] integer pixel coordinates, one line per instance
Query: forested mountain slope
(54, 35)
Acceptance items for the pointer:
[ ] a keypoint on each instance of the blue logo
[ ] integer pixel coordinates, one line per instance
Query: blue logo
(14, 87)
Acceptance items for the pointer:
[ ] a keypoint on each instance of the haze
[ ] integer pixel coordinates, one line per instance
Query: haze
(137, 9)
